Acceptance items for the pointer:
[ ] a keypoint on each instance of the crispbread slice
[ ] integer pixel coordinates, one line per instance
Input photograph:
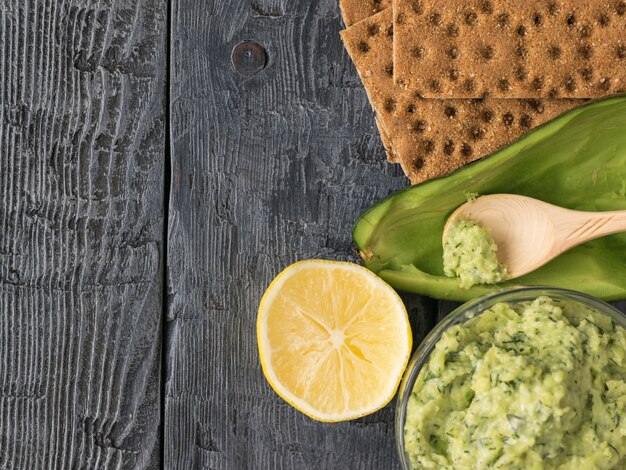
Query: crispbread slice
(510, 49)
(384, 137)
(431, 137)
(354, 11)
(442, 135)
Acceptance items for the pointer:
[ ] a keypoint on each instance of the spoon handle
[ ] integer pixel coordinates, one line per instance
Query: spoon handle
(592, 225)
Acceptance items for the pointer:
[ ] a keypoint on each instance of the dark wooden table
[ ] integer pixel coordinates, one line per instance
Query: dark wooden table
(160, 162)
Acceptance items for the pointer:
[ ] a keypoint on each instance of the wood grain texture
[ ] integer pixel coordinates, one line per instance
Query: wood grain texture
(82, 88)
(267, 170)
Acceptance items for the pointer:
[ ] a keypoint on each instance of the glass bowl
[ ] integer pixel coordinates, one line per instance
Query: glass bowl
(468, 311)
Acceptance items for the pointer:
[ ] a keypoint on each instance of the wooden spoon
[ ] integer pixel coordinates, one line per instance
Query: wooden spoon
(529, 232)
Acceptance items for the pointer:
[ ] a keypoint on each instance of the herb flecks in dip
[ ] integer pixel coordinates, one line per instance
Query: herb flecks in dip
(522, 386)
(469, 252)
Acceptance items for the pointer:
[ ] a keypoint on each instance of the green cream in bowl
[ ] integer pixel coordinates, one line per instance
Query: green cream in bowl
(523, 379)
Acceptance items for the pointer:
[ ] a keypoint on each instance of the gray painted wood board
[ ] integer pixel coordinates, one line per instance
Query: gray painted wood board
(82, 134)
(267, 170)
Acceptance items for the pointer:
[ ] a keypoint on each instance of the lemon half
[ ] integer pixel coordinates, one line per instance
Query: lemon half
(334, 339)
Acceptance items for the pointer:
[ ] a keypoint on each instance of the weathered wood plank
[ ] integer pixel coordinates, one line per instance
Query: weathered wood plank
(82, 132)
(267, 170)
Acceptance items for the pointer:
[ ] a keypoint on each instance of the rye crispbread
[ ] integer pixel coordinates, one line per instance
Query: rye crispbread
(510, 49)
(385, 139)
(353, 11)
(431, 137)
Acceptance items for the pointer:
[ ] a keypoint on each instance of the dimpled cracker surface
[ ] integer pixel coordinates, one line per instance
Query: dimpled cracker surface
(384, 137)
(438, 136)
(430, 137)
(510, 49)
(353, 11)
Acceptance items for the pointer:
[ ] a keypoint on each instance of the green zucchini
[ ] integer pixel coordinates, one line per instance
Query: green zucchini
(577, 161)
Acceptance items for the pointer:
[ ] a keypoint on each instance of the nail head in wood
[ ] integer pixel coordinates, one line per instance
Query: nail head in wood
(249, 58)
